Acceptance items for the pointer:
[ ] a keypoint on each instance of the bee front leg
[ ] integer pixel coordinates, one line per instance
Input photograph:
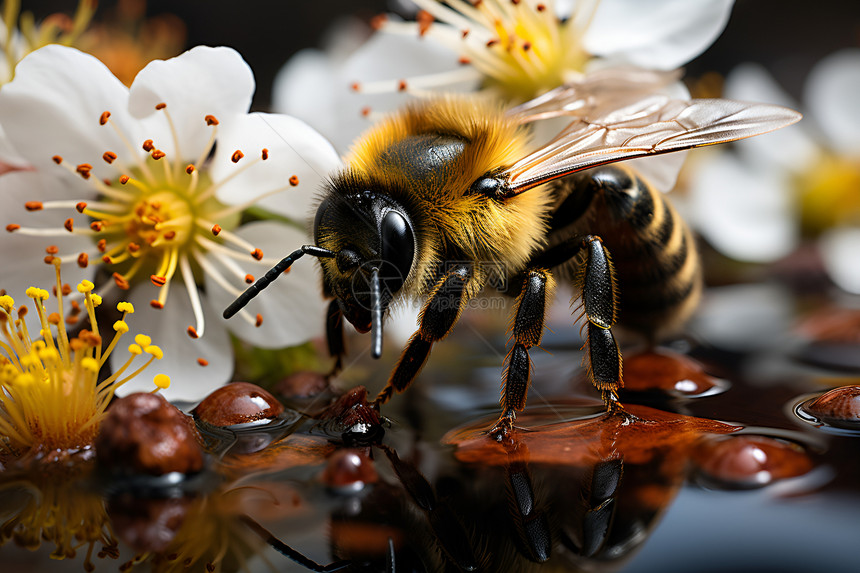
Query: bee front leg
(334, 336)
(437, 318)
(531, 303)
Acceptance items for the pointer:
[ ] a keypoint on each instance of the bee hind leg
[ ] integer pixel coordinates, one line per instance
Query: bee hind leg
(600, 304)
(531, 303)
(441, 311)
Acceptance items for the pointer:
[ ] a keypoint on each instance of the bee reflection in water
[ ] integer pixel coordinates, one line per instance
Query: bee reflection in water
(559, 495)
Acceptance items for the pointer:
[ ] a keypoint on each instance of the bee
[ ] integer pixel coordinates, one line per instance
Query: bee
(446, 197)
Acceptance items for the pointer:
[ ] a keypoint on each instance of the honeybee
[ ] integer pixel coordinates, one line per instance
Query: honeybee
(445, 197)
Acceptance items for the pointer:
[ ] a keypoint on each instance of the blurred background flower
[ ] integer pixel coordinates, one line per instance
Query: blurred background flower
(509, 50)
(760, 201)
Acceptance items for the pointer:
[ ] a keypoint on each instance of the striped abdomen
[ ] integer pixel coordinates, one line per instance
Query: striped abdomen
(654, 253)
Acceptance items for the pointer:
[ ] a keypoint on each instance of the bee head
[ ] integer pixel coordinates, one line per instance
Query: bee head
(373, 240)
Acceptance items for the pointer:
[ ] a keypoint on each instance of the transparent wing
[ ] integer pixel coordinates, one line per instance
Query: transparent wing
(636, 126)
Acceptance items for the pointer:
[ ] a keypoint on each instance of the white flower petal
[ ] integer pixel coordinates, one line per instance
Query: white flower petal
(9, 156)
(167, 327)
(831, 99)
(202, 81)
(22, 256)
(305, 87)
(661, 34)
(294, 149)
(791, 148)
(744, 213)
(292, 307)
(840, 250)
(53, 106)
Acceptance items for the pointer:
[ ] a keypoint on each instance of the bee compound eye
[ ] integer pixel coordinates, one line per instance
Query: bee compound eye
(397, 246)
(347, 260)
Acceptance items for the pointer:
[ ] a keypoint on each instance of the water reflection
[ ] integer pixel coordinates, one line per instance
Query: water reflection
(574, 489)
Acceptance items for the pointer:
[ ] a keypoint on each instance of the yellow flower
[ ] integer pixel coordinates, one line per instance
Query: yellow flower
(51, 394)
(26, 37)
(56, 506)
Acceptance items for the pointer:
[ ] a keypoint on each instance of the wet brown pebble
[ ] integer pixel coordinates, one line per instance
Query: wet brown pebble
(838, 407)
(349, 470)
(238, 403)
(147, 525)
(305, 384)
(145, 434)
(668, 372)
(746, 461)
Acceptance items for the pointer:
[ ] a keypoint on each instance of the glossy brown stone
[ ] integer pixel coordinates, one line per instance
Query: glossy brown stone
(749, 461)
(838, 406)
(147, 525)
(352, 411)
(305, 384)
(349, 469)
(144, 434)
(668, 372)
(238, 403)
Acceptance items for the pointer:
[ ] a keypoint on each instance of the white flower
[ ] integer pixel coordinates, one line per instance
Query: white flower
(515, 49)
(757, 203)
(150, 184)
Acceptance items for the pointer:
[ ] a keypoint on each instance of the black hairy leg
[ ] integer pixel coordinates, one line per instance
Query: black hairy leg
(527, 331)
(441, 311)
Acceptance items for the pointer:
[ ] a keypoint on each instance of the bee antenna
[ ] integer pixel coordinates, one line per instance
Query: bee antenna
(243, 299)
(376, 310)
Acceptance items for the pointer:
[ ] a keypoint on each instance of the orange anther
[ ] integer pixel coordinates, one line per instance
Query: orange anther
(83, 260)
(158, 281)
(69, 224)
(211, 120)
(33, 205)
(148, 145)
(249, 279)
(160, 106)
(294, 180)
(259, 320)
(216, 229)
(192, 332)
(202, 362)
(120, 281)
(109, 156)
(103, 119)
(257, 254)
(156, 304)
(237, 155)
(81, 206)
(12, 227)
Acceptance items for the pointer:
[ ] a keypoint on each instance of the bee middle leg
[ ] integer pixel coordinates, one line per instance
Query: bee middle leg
(441, 311)
(535, 290)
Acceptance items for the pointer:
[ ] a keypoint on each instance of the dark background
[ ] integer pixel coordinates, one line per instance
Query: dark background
(787, 36)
